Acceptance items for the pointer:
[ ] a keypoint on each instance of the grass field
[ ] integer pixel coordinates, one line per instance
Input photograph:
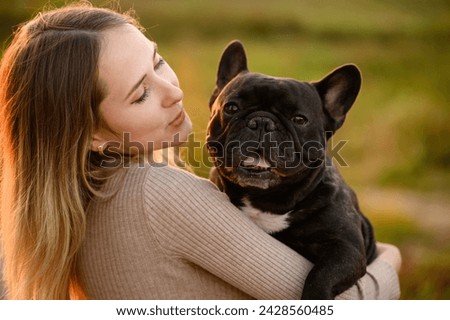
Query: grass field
(398, 131)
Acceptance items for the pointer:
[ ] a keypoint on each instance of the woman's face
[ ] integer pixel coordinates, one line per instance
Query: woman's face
(142, 108)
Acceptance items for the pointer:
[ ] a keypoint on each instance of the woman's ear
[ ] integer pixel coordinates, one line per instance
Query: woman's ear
(98, 142)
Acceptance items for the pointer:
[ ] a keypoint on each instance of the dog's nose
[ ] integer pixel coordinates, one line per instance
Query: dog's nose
(264, 123)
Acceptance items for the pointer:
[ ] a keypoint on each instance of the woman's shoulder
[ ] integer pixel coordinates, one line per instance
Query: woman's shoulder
(162, 181)
(157, 175)
(171, 186)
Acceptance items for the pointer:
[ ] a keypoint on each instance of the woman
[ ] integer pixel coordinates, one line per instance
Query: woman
(86, 100)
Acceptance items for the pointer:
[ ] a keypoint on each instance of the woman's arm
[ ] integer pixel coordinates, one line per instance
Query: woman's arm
(194, 220)
(2, 286)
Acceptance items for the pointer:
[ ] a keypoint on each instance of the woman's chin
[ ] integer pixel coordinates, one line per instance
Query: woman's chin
(182, 135)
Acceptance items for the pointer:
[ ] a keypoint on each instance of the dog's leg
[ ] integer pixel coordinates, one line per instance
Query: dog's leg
(340, 266)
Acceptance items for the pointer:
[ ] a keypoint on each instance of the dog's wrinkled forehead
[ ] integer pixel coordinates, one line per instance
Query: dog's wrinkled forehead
(263, 90)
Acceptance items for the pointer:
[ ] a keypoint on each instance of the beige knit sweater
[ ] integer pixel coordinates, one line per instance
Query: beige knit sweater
(167, 234)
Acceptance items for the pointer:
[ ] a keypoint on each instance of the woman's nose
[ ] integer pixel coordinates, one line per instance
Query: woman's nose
(171, 93)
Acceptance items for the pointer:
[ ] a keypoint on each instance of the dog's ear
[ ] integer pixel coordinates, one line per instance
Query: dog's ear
(233, 62)
(338, 91)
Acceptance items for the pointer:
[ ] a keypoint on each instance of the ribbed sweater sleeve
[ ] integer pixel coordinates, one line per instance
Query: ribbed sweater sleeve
(2, 286)
(194, 221)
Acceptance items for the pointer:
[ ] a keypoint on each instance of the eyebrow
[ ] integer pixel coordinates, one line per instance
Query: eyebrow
(134, 88)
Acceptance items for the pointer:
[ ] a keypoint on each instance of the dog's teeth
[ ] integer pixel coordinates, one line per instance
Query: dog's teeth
(256, 164)
(249, 162)
(259, 163)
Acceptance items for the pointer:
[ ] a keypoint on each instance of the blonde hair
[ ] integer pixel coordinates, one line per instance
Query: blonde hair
(49, 99)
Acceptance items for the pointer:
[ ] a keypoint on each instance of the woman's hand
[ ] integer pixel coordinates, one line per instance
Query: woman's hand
(390, 254)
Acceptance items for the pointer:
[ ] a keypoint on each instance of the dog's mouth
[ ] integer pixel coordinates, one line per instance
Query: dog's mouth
(256, 165)
(255, 172)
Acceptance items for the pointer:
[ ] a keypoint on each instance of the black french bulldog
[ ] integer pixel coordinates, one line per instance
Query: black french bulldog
(267, 137)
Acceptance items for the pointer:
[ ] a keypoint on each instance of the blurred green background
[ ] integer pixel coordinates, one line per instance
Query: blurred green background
(398, 131)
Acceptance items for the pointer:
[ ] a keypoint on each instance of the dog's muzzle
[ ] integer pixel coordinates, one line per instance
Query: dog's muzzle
(265, 124)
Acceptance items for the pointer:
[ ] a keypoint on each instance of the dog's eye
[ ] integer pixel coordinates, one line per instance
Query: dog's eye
(299, 120)
(231, 108)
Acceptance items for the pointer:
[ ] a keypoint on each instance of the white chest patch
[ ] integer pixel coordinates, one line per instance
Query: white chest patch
(267, 221)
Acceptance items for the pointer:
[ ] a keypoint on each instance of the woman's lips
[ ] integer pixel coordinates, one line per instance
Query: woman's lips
(178, 120)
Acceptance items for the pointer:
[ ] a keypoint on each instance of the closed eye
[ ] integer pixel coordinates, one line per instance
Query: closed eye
(143, 97)
(145, 94)
(159, 64)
